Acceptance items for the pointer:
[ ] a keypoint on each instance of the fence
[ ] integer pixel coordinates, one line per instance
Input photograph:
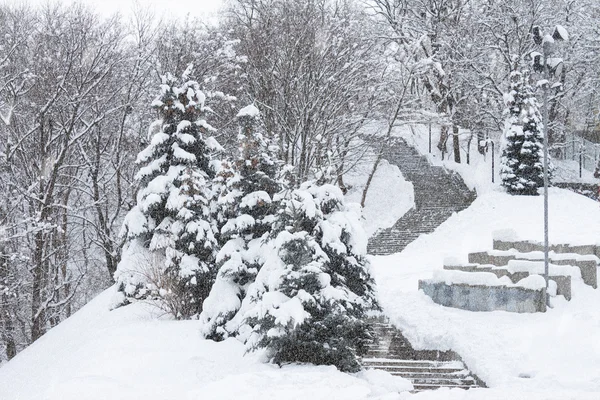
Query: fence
(581, 150)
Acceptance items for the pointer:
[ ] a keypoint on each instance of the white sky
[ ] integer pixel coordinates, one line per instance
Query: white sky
(205, 9)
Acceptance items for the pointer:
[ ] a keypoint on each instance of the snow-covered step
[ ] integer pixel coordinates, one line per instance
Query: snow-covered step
(420, 372)
(419, 388)
(410, 365)
(426, 369)
(433, 374)
(438, 194)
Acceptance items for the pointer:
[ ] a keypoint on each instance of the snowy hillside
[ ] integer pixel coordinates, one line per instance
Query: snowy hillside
(520, 356)
(130, 353)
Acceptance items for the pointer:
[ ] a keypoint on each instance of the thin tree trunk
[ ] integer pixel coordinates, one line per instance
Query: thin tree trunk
(443, 139)
(385, 143)
(37, 314)
(371, 175)
(456, 144)
(6, 322)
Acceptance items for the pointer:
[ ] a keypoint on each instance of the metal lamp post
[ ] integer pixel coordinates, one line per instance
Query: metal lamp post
(546, 51)
(559, 34)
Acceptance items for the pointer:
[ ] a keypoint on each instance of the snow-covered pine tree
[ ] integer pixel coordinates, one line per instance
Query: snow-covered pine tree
(247, 213)
(522, 169)
(311, 297)
(170, 235)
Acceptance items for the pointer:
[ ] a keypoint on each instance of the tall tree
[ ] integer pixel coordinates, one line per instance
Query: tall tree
(522, 170)
(248, 212)
(172, 219)
(310, 66)
(311, 296)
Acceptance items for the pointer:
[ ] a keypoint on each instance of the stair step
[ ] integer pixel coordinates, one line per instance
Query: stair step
(390, 351)
(407, 372)
(414, 363)
(421, 387)
(435, 375)
(438, 194)
(441, 381)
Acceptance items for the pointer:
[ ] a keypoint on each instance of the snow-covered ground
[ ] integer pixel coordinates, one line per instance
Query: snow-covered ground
(520, 356)
(131, 354)
(389, 196)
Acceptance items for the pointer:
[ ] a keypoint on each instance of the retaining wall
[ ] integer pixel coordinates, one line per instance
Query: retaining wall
(484, 298)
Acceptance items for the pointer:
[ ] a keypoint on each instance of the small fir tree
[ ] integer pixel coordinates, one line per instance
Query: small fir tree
(311, 297)
(522, 169)
(171, 236)
(246, 213)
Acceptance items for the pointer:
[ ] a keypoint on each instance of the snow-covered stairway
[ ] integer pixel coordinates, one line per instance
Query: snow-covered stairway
(426, 369)
(438, 194)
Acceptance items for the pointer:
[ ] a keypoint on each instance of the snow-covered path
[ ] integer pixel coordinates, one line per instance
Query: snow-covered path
(551, 355)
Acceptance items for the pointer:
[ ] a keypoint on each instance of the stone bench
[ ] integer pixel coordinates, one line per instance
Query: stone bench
(587, 264)
(481, 291)
(561, 277)
(527, 246)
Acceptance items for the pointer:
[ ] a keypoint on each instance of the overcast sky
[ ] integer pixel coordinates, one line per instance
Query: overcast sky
(178, 8)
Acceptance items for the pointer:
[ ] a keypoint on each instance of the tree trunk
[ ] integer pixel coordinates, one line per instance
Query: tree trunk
(37, 314)
(456, 144)
(371, 175)
(443, 139)
(6, 322)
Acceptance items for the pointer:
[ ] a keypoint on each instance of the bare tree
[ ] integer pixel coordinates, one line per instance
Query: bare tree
(311, 67)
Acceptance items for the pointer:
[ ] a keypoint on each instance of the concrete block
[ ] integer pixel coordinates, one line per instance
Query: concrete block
(581, 249)
(500, 272)
(502, 244)
(527, 247)
(588, 268)
(458, 267)
(483, 257)
(484, 298)
(517, 276)
(563, 285)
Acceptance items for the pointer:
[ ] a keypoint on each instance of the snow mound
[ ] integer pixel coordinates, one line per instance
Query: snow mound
(389, 197)
(131, 354)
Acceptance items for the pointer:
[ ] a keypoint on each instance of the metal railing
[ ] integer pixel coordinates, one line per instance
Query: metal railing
(581, 150)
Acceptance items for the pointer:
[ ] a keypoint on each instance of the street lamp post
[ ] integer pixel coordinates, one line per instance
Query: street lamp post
(493, 154)
(546, 41)
(546, 51)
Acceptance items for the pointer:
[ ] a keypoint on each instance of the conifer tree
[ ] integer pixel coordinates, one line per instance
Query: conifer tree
(247, 213)
(522, 170)
(311, 297)
(171, 235)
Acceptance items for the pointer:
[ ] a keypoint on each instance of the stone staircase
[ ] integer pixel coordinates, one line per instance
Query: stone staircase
(426, 369)
(438, 194)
